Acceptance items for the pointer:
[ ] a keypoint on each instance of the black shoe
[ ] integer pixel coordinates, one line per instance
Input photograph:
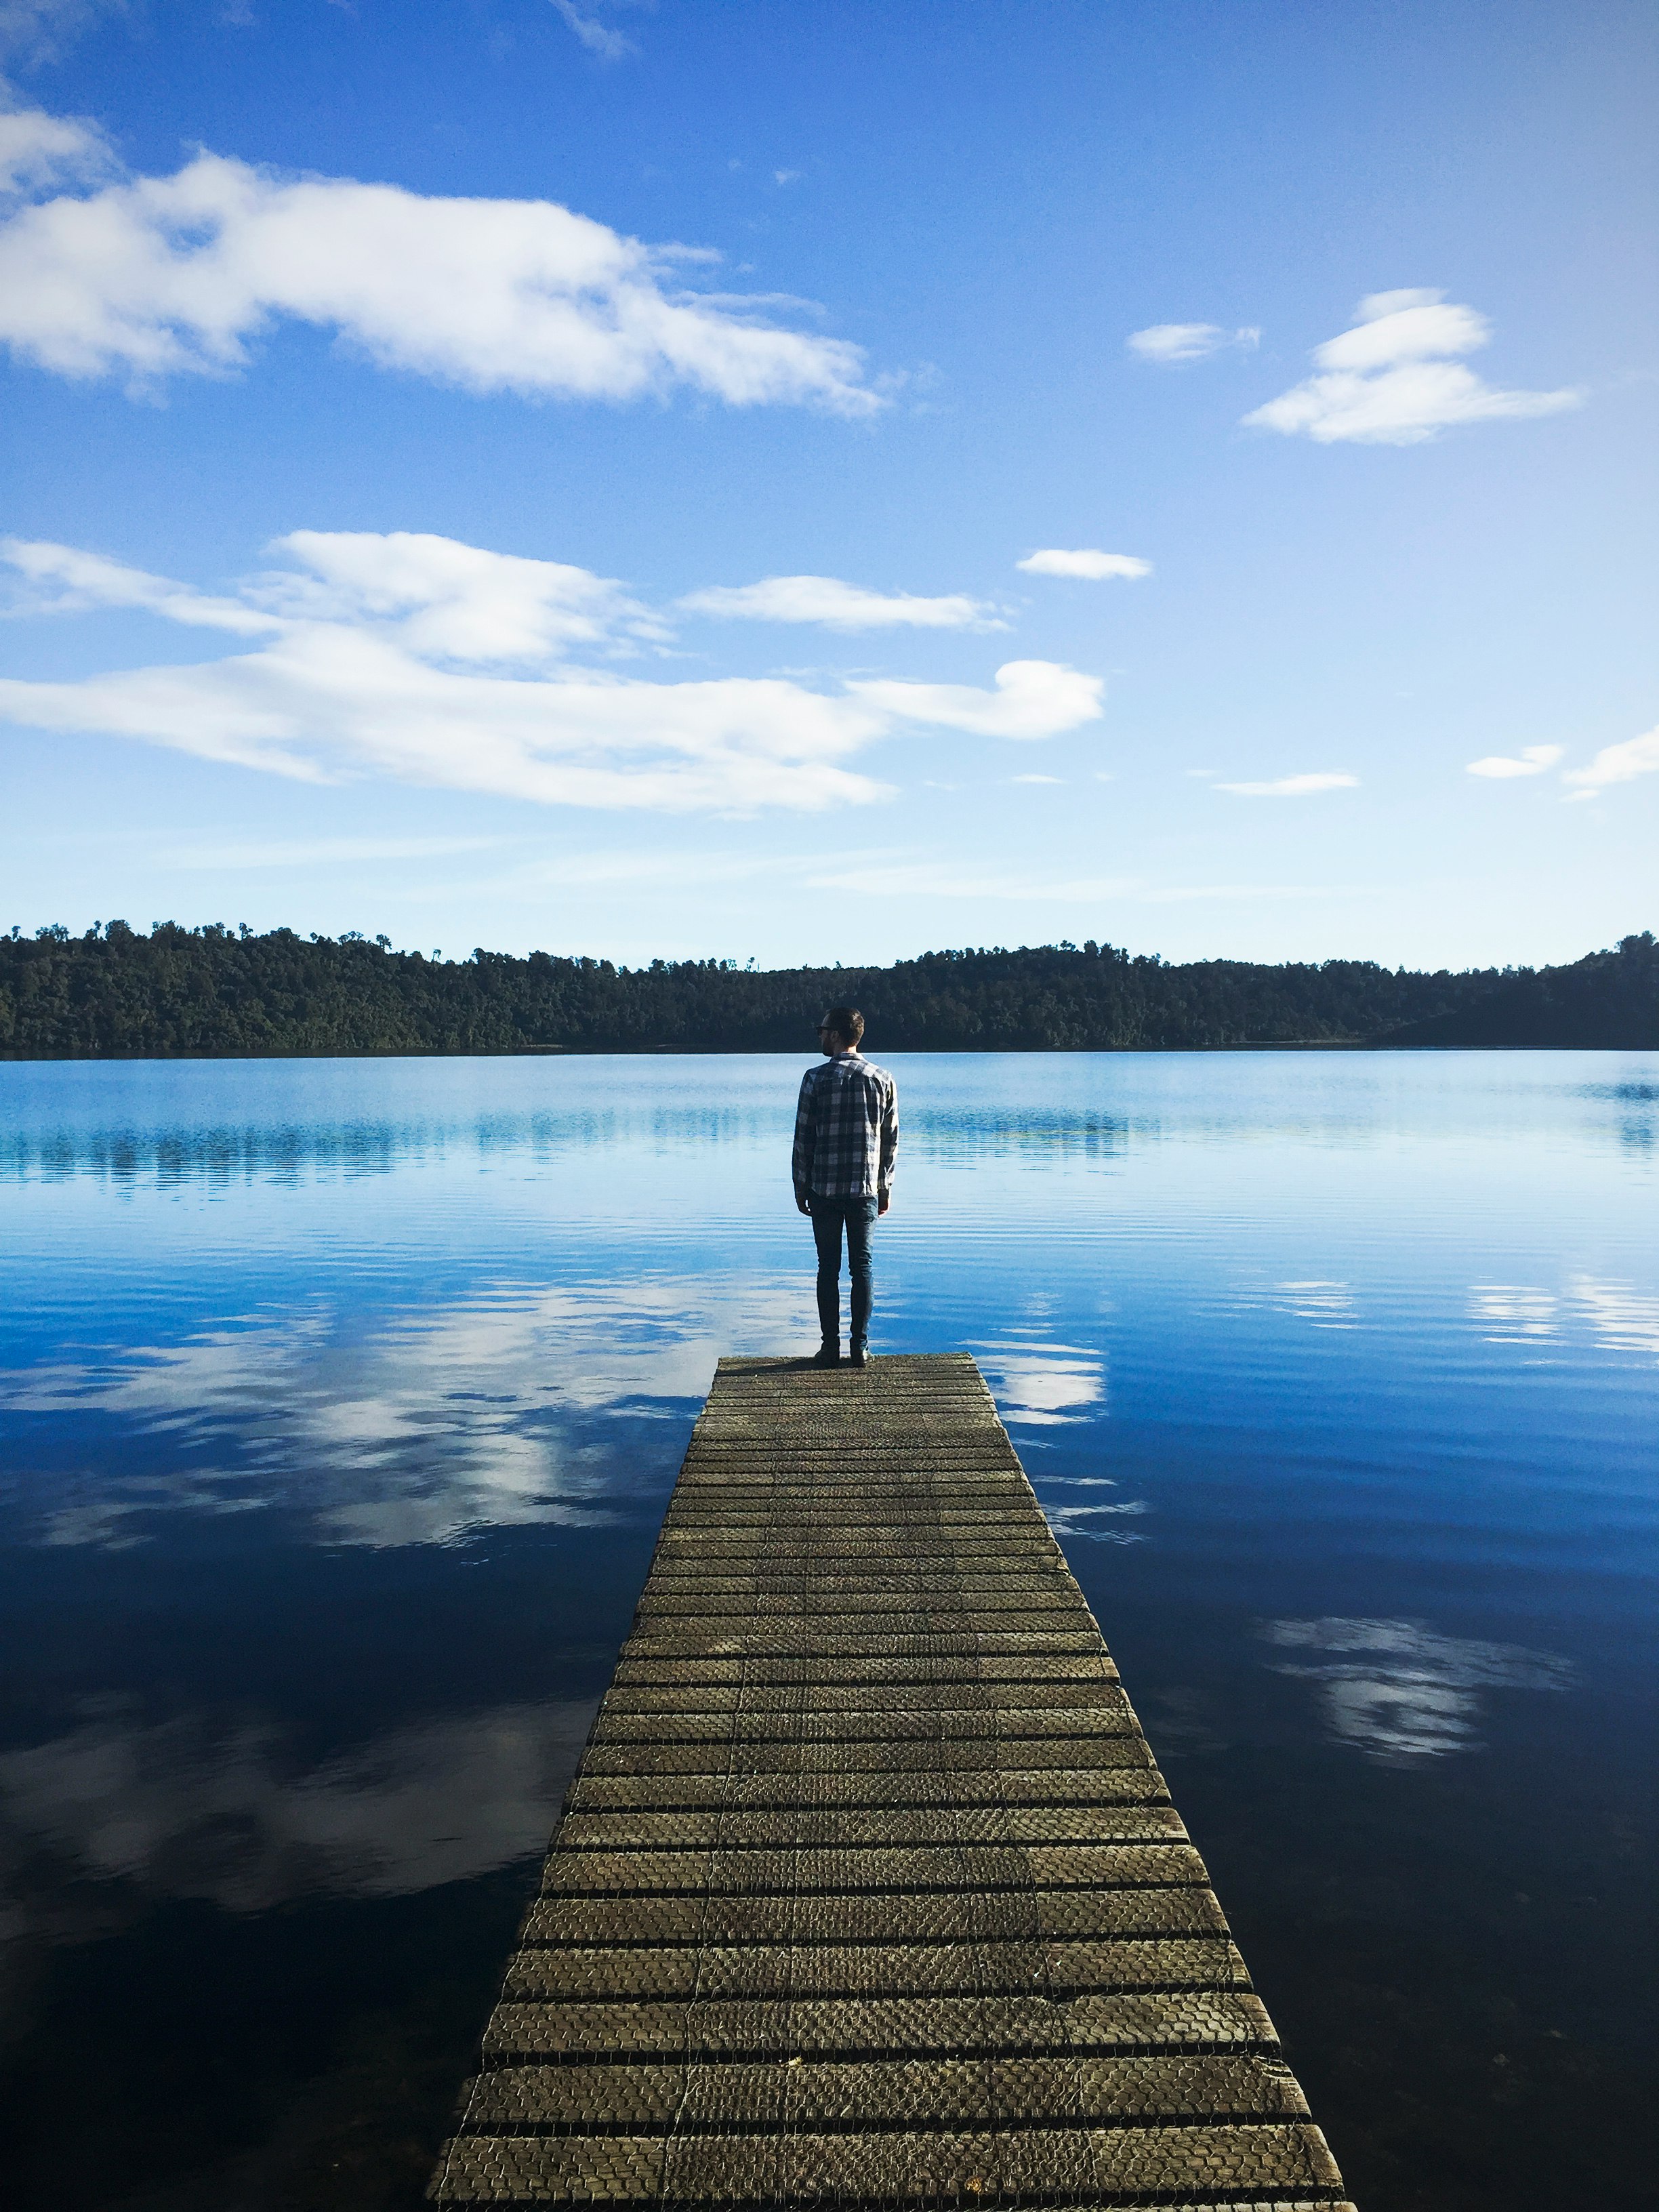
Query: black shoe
(856, 1357)
(828, 1355)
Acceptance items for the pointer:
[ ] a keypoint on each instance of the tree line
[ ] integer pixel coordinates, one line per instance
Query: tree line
(116, 992)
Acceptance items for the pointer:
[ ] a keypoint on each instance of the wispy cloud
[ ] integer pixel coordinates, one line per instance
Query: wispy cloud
(61, 579)
(597, 37)
(150, 277)
(1395, 379)
(36, 31)
(443, 599)
(434, 663)
(319, 852)
(1292, 787)
(1616, 764)
(1532, 760)
(1084, 562)
(904, 874)
(836, 605)
(1174, 342)
(878, 875)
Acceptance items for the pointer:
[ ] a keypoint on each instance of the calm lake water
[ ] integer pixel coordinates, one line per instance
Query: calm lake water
(341, 1399)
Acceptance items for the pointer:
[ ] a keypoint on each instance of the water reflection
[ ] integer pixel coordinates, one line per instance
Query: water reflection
(1399, 1692)
(1043, 1384)
(1099, 1523)
(1619, 1318)
(1513, 1313)
(1327, 1305)
(217, 1807)
(990, 1129)
(1623, 1318)
(411, 1428)
(214, 1158)
(337, 1402)
(219, 1157)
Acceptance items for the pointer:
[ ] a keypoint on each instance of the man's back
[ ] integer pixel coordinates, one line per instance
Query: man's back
(846, 1129)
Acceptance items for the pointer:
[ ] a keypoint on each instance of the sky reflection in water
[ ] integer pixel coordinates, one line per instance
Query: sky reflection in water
(341, 1401)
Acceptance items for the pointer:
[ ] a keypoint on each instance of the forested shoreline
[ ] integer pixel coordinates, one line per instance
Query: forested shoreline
(211, 992)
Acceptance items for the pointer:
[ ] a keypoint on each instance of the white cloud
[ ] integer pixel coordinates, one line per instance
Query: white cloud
(1037, 779)
(1616, 764)
(1171, 342)
(1292, 787)
(446, 600)
(439, 664)
(837, 606)
(1032, 699)
(1532, 760)
(67, 581)
(157, 277)
(1393, 380)
(598, 38)
(39, 150)
(1084, 562)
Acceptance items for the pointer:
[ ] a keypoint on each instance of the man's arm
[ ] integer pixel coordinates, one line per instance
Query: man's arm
(889, 1148)
(801, 1163)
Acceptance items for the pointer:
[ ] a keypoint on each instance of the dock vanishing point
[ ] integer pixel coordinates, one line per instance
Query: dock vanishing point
(868, 1890)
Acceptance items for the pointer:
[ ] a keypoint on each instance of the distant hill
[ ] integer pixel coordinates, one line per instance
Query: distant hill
(213, 991)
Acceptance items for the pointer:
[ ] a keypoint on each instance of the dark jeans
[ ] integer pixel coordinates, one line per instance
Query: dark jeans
(859, 1216)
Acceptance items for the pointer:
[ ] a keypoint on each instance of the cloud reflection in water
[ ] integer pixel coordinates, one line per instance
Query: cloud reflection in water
(199, 1806)
(1398, 1692)
(418, 1429)
(1618, 1318)
(1041, 1382)
(1079, 1521)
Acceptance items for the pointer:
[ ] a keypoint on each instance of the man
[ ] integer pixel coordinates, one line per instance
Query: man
(846, 1144)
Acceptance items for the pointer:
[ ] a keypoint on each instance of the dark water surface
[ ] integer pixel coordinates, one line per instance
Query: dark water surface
(342, 1400)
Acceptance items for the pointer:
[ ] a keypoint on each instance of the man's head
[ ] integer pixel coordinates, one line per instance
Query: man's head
(840, 1030)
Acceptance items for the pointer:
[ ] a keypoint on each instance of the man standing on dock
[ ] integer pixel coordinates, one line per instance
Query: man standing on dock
(846, 1144)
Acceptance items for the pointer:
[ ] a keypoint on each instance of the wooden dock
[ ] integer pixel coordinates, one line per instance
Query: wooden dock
(867, 1888)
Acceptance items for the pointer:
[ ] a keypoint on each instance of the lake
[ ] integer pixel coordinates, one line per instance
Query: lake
(342, 1400)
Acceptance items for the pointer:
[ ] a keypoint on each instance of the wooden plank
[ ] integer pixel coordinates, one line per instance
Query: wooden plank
(868, 1888)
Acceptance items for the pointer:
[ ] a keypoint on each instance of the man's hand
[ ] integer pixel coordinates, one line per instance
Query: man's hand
(803, 1201)
(884, 1202)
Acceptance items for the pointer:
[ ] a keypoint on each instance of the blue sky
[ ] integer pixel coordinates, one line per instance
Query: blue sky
(825, 481)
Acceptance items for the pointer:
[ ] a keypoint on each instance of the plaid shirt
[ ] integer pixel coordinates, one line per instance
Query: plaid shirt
(846, 1129)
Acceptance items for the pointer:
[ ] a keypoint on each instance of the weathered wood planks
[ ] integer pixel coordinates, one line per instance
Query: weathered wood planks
(868, 1888)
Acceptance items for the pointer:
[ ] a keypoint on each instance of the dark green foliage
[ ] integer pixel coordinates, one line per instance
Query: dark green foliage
(213, 991)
